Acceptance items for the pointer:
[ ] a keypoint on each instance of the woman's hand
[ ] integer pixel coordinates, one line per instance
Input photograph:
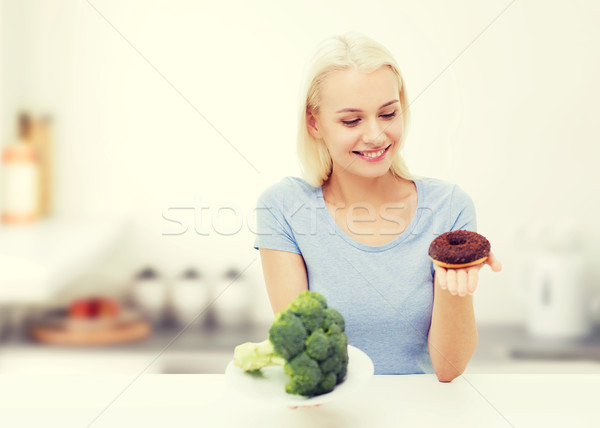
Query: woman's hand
(464, 281)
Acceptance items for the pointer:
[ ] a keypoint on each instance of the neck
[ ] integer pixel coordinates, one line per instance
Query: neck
(350, 189)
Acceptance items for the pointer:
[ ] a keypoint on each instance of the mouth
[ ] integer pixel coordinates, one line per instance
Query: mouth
(373, 155)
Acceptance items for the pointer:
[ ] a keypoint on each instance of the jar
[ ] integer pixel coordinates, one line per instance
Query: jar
(20, 179)
(190, 298)
(150, 293)
(232, 302)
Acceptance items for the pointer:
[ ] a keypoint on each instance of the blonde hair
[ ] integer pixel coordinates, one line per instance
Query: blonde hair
(350, 51)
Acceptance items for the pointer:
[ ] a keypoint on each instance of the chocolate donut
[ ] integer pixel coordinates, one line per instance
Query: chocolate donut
(459, 249)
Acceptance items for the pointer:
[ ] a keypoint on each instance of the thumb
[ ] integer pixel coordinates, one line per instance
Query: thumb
(494, 263)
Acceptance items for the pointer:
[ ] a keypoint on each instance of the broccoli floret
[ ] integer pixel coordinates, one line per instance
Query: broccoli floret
(337, 359)
(316, 296)
(305, 375)
(317, 345)
(339, 347)
(308, 339)
(287, 333)
(327, 383)
(333, 317)
(310, 309)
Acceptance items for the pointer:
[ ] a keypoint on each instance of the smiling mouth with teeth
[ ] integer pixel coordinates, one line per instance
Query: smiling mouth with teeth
(372, 154)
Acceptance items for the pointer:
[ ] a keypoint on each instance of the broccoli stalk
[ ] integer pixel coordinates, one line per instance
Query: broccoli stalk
(254, 356)
(308, 339)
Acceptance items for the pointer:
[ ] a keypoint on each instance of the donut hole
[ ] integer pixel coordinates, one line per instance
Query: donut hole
(457, 240)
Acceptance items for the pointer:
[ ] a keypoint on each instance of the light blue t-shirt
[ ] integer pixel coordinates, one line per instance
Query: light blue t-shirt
(384, 292)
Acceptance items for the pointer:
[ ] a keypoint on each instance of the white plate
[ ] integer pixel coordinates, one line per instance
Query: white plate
(270, 386)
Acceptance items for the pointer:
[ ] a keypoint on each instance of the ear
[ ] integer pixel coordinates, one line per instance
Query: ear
(311, 125)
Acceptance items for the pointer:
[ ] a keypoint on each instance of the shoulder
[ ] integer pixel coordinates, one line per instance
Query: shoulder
(436, 191)
(287, 190)
(436, 186)
(453, 207)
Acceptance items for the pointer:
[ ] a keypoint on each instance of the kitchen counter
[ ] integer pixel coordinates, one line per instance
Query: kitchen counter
(167, 350)
(159, 400)
(501, 349)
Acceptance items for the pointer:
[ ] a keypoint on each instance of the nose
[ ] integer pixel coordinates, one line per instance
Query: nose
(373, 133)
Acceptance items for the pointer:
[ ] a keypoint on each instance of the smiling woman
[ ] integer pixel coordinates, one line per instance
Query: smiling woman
(365, 66)
(370, 133)
(408, 315)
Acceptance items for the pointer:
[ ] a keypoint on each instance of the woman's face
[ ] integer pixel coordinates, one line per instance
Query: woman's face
(359, 120)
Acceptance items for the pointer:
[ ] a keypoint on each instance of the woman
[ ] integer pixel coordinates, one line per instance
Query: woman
(357, 227)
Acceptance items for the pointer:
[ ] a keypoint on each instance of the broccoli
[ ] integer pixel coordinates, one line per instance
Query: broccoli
(308, 339)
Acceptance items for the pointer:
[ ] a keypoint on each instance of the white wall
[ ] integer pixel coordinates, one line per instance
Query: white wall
(507, 111)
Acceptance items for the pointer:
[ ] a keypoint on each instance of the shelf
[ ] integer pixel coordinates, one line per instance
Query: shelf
(40, 258)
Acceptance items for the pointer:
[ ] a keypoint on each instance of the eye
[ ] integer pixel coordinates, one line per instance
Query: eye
(389, 115)
(351, 122)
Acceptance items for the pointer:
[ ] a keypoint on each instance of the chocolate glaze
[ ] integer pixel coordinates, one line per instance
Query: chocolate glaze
(459, 247)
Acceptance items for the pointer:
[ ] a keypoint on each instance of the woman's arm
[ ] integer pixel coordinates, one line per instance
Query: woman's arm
(285, 276)
(453, 333)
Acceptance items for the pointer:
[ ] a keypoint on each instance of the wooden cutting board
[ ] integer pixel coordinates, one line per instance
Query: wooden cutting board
(65, 331)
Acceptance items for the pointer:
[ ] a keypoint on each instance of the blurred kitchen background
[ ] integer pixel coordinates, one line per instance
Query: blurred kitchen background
(137, 135)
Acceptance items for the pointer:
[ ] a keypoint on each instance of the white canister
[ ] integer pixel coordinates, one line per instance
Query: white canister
(150, 293)
(190, 297)
(233, 300)
(559, 300)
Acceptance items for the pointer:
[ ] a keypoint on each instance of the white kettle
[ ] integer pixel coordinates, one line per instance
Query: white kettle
(559, 300)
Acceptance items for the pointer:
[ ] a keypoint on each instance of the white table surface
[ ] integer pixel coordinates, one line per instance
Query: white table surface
(158, 400)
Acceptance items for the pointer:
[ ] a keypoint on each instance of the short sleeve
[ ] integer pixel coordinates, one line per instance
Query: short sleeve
(273, 230)
(462, 211)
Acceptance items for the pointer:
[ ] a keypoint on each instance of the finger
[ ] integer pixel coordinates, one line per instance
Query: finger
(451, 281)
(493, 262)
(461, 282)
(440, 274)
(304, 407)
(473, 280)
